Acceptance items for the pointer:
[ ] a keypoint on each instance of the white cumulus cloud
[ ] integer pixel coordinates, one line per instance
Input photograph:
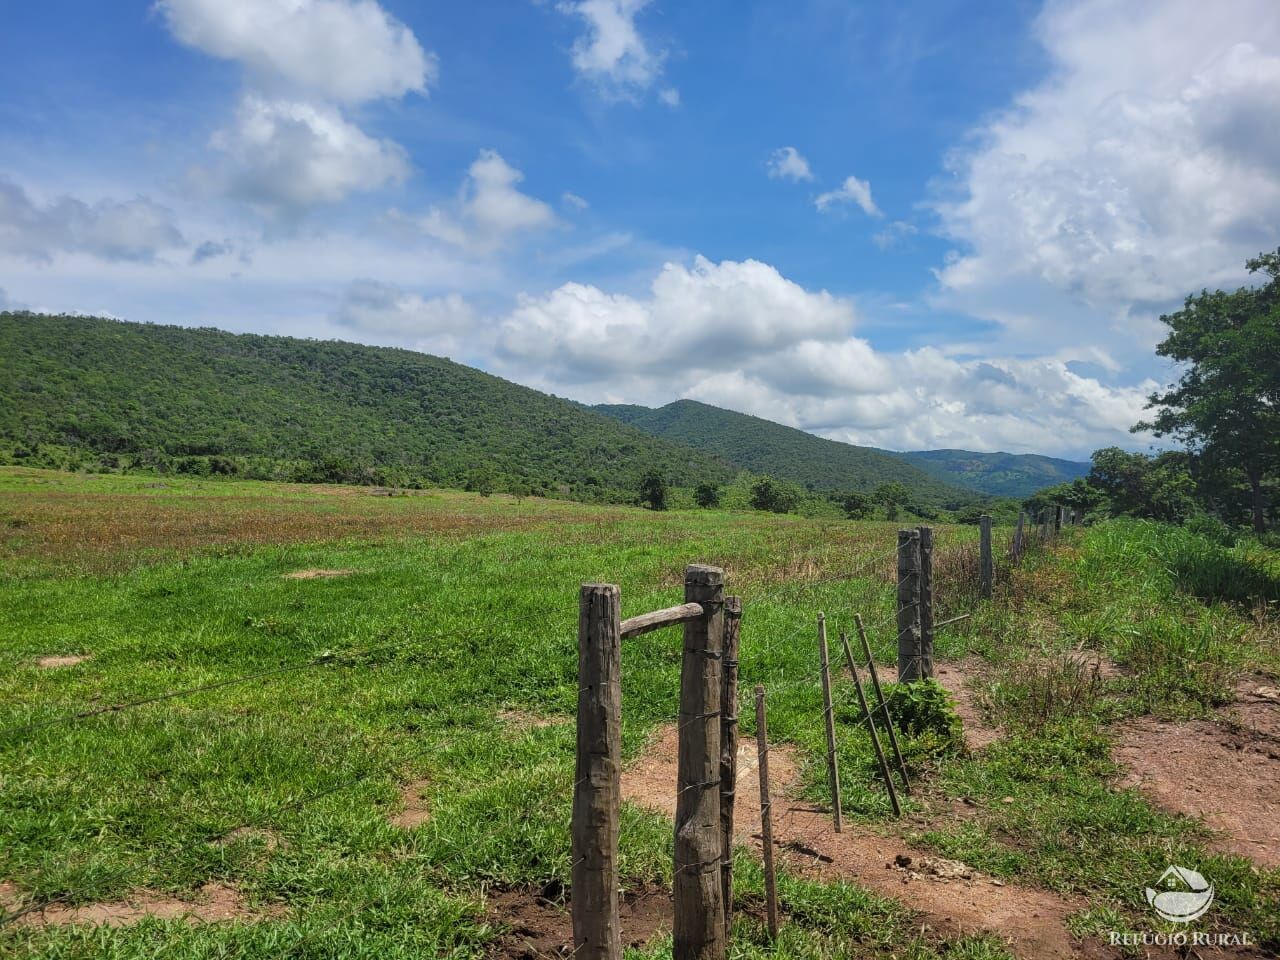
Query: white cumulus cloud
(741, 335)
(344, 50)
(387, 313)
(136, 229)
(1144, 166)
(285, 156)
(613, 54)
(852, 190)
(490, 208)
(787, 163)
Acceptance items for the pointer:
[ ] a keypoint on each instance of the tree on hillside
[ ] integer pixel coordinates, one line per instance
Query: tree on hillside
(769, 494)
(856, 506)
(1226, 406)
(707, 495)
(891, 496)
(653, 491)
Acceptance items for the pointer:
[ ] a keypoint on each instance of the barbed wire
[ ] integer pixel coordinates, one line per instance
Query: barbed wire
(350, 656)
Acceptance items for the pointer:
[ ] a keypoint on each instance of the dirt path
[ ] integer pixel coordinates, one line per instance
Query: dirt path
(958, 678)
(214, 902)
(1223, 771)
(951, 897)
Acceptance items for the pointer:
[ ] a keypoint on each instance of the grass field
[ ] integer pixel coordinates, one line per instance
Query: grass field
(444, 657)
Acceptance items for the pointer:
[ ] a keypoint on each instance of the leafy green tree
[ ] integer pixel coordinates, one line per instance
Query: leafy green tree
(1133, 484)
(1226, 405)
(481, 480)
(707, 495)
(856, 506)
(773, 495)
(653, 491)
(891, 496)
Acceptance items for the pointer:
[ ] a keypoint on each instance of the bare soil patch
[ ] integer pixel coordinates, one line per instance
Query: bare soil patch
(524, 720)
(959, 678)
(951, 897)
(270, 840)
(62, 660)
(1222, 771)
(539, 924)
(315, 573)
(414, 811)
(212, 903)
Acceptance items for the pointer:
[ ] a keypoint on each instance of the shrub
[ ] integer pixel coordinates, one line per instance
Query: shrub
(707, 495)
(922, 710)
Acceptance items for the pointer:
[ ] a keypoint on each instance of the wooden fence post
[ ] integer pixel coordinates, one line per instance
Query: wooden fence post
(871, 724)
(698, 927)
(766, 814)
(1018, 535)
(926, 602)
(829, 723)
(1057, 520)
(909, 638)
(986, 568)
(597, 786)
(729, 748)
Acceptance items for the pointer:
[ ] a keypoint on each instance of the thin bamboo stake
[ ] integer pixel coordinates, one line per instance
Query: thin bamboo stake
(829, 720)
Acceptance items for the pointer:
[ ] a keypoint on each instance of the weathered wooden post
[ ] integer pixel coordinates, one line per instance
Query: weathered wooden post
(829, 723)
(909, 633)
(986, 568)
(1018, 535)
(729, 748)
(597, 783)
(698, 927)
(1057, 520)
(926, 601)
(766, 814)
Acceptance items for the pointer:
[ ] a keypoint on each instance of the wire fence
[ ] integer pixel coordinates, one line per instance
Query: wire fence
(762, 647)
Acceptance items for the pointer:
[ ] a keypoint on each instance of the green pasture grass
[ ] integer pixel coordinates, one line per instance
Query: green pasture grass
(458, 618)
(418, 654)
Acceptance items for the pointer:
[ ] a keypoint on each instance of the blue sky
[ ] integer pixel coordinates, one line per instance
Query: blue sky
(913, 225)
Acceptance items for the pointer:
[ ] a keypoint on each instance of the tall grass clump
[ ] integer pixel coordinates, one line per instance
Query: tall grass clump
(1197, 564)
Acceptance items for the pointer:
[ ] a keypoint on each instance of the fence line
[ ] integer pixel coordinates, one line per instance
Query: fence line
(1023, 537)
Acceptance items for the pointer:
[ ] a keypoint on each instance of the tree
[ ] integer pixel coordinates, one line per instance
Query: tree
(481, 480)
(1226, 405)
(707, 495)
(891, 496)
(856, 506)
(653, 491)
(769, 494)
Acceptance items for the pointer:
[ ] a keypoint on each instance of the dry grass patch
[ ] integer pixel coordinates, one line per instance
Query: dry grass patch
(211, 903)
(60, 660)
(315, 573)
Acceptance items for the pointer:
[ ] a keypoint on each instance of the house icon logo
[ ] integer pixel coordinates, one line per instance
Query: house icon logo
(1180, 895)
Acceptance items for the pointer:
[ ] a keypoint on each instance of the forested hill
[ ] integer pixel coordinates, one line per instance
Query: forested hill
(78, 389)
(999, 474)
(763, 446)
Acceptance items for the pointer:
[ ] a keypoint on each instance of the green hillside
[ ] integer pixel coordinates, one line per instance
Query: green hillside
(86, 392)
(999, 474)
(762, 446)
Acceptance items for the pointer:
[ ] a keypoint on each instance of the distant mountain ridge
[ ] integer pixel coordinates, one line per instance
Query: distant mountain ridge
(1000, 474)
(767, 447)
(763, 446)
